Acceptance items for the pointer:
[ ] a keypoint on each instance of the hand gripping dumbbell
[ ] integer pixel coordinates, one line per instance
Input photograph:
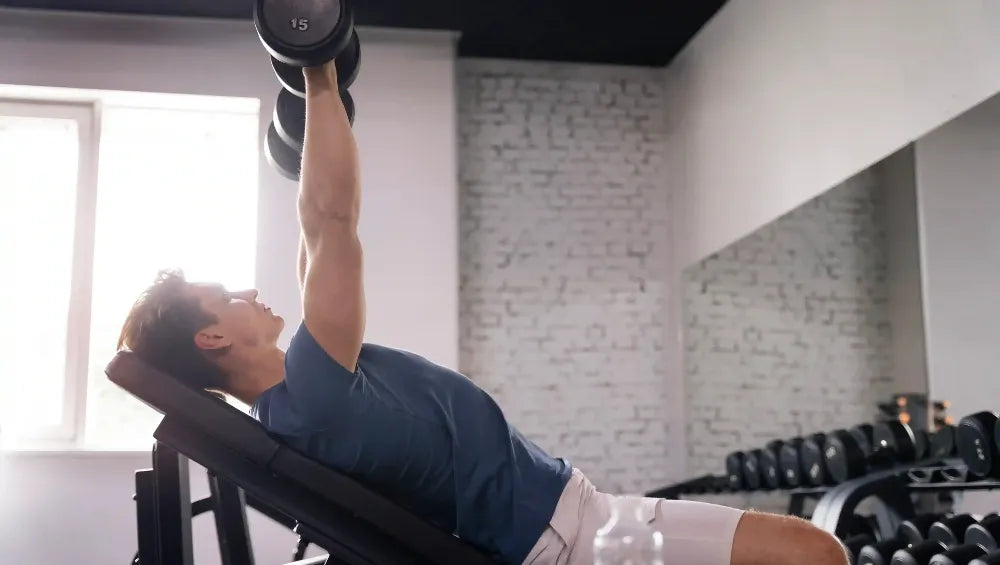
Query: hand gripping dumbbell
(301, 34)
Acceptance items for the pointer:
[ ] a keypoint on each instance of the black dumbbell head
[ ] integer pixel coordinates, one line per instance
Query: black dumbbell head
(951, 530)
(290, 119)
(863, 433)
(814, 472)
(290, 77)
(280, 156)
(790, 464)
(720, 484)
(770, 472)
(943, 443)
(880, 553)
(304, 33)
(751, 469)
(734, 470)
(348, 101)
(919, 554)
(896, 438)
(985, 533)
(960, 555)
(992, 558)
(348, 65)
(974, 439)
(845, 458)
(915, 529)
(853, 545)
(921, 444)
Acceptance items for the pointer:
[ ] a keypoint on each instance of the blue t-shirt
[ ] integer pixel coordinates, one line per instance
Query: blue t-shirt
(424, 436)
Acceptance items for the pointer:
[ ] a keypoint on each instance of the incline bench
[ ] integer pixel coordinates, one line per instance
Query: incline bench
(247, 466)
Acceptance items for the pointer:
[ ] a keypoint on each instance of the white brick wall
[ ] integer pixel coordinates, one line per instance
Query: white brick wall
(787, 331)
(564, 259)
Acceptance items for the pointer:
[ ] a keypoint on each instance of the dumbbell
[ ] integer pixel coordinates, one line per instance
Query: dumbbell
(849, 455)
(857, 532)
(942, 445)
(980, 539)
(909, 532)
(348, 65)
(975, 440)
(304, 34)
(790, 462)
(290, 117)
(944, 543)
(283, 143)
(770, 471)
(734, 470)
(912, 533)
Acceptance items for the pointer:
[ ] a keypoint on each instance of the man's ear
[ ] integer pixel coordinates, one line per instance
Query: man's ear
(210, 340)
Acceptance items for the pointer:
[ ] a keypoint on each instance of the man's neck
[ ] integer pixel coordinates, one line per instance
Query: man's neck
(264, 372)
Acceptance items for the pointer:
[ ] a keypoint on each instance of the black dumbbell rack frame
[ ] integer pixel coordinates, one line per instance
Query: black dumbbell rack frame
(837, 505)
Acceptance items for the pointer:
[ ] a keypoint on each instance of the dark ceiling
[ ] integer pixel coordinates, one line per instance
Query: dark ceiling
(629, 32)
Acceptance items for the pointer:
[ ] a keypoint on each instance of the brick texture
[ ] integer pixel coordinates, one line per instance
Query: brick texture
(787, 331)
(564, 259)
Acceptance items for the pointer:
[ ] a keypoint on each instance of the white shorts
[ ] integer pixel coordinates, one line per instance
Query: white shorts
(694, 533)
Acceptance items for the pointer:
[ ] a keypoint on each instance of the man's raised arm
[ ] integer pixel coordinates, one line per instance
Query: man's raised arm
(333, 296)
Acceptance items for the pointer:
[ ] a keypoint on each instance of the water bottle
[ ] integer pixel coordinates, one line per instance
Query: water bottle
(627, 539)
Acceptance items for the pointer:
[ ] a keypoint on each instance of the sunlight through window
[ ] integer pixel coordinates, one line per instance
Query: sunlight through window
(177, 189)
(38, 186)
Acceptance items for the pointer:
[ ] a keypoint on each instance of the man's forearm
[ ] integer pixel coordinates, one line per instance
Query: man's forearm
(330, 180)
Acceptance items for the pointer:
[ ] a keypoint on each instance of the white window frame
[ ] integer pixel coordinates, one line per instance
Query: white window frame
(86, 113)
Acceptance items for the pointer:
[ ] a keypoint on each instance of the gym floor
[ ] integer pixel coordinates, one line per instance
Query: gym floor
(650, 268)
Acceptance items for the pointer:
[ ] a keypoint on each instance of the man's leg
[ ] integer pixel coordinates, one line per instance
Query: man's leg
(694, 533)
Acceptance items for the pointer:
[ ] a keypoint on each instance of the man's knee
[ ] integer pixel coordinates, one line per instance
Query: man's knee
(783, 540)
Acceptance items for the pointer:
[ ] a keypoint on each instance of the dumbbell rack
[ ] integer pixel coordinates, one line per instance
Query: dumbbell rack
(892, 487)
(837, 505)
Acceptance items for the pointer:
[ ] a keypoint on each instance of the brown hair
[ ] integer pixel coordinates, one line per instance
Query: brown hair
(161, 327)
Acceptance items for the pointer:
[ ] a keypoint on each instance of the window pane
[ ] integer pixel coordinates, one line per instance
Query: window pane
(38, 184)
(176, 189)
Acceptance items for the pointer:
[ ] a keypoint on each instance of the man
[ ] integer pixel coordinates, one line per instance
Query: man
(423, 435)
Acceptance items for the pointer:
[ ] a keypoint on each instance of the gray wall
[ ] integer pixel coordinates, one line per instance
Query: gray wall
(904, 274)
(564, 253)
(787, 331)
(958, 167)
(776, 101)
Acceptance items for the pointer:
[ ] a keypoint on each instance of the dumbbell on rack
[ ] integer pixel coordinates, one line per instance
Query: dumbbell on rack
(298, 35)
(918, 540)
(977, 442)
(851, 454)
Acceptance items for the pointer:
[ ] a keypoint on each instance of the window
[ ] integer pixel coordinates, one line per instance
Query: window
(91, 215)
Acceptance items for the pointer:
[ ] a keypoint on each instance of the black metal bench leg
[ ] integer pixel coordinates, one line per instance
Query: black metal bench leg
(231, 522)
(173, 506)
(147, 524)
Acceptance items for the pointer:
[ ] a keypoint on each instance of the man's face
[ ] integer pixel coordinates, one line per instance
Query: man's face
(243, 322)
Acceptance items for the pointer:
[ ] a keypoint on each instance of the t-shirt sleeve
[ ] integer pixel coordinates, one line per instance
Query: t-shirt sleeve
(317, 385)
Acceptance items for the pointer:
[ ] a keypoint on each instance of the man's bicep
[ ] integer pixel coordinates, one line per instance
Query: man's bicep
(333, 294)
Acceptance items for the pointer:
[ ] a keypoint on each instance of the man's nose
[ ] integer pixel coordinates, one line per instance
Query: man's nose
(248, 295)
